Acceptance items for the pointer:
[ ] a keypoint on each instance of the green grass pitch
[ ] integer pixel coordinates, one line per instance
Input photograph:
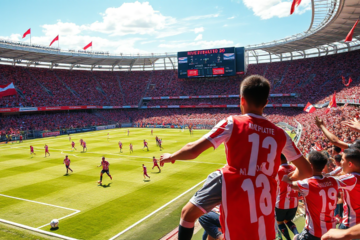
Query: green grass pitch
(35, 190)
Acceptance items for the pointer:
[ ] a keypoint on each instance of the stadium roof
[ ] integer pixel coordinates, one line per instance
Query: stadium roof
(331, 21)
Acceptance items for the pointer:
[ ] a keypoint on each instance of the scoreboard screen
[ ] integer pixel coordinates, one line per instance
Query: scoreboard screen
(207, 63)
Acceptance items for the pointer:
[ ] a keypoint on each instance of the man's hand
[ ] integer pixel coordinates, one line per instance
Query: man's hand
(286, 179)
(334, 234)
(165, 158)
(353, 125)
(319, 122)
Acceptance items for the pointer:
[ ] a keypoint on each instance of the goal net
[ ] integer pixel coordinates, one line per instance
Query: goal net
(198, 124)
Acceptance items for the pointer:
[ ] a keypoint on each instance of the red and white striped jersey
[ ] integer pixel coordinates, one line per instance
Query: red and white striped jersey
(72, 144)
(105, 165)
(144, 169)
(67, 161)
(320, 198)
(287, 198)
(253, 147)
(351, 185)
(145, 144)
(46, 148)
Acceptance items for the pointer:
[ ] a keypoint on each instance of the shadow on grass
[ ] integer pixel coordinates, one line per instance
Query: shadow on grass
(105, 185)
(66, 175)
(146, 180)
(54, 229)
(155, 172)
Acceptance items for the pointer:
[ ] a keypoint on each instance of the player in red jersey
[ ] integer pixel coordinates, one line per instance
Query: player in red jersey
(46, 150)
(145, 172)
(160, 142)
(351, 184)
(120, 146)
(105, 169)
(155, 161)
(253, 148)
(128, 132)
(157, 140)
(21, 139)
(286, 200)
(67, 165)
(108, 136)
(69, 137)
(84, 146)
(131, 148)
(320, 198)
(32, 150)
(152, 132)
(73, 145)
(145, 145)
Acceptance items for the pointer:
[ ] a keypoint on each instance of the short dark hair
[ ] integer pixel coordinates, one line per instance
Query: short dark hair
(255, 89)
(283, 158)
(337, 149)
(356, 145)
(353, 155)
(317, 160)
(338, 158)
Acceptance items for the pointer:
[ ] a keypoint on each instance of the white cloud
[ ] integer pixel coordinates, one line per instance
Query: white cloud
(266, 9)
(198, 30)
(63, 29)
(225, 25)
(132, 18)
(178, 46)
(231, 17)
(199, 37)
(201, 17)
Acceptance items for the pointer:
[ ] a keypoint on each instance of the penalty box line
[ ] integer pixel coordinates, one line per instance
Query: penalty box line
(75, 211)
(157, 210)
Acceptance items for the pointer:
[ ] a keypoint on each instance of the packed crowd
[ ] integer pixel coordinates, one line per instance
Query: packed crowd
(313, 79)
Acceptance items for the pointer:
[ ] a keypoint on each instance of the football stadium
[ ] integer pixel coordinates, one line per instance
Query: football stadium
(251, 138)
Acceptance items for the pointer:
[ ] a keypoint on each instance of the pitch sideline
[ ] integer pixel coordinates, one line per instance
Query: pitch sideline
(157, 210)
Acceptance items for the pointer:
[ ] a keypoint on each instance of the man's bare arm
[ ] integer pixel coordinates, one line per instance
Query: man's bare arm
(332, 138)
(303, 169)
(188, 152)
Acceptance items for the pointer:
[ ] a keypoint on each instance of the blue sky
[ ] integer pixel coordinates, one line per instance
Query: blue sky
(153, 26)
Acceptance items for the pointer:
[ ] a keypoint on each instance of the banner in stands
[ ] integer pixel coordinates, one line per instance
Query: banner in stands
(58, 108)
(215, 96)
(49, 134)
(105, 127)
(219, 106)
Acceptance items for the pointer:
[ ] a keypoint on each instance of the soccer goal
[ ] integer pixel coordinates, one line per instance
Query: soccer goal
(198, 124)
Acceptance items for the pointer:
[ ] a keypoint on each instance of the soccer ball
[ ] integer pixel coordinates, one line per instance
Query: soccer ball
(54, 223)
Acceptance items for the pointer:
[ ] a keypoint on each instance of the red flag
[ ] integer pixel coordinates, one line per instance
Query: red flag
(318, 147)
(346, 84)
(27, 32)
(350, 34)
(87, 46)
(55, 39)
(309, 108)
(332, 103)
(7, 90)
(294, 4)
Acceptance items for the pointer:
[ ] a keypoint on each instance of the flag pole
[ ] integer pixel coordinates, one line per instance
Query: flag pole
(30, 36)
(58, 42)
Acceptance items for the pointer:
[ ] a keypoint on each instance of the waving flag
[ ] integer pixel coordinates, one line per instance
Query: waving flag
(55, 39)
(332, 103)
(344, 81)
(350, 34)
(7, 90)
(317, 147)
(27, 33)
(87, 46)
(309, 108)
(294, 4)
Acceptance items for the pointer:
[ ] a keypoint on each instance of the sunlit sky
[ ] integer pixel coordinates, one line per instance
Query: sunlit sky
(153, 26)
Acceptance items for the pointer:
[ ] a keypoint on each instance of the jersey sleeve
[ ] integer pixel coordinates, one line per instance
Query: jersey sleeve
(290, 151)
(221, 132)
(304, 187)
(336, 171)
(347, 182)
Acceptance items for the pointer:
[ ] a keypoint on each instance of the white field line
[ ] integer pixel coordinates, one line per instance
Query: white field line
(51, 205)
(37, 230)
(157, 210)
